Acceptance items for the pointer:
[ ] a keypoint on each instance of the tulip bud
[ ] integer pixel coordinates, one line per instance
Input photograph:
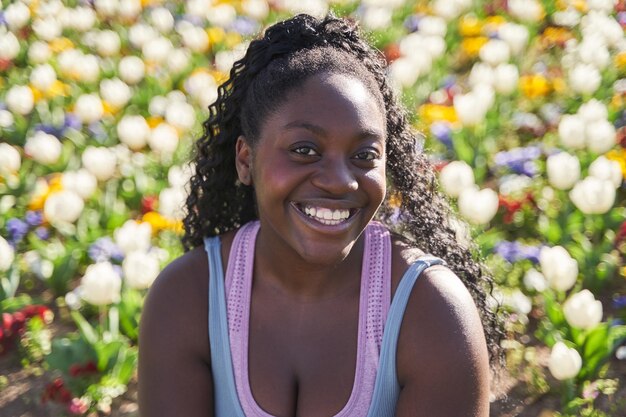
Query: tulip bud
(101, 284)
(479, 207)
(20, 99)
(101, 162)
(572, 131)
(564, 362)
(63, 206)
(43, 77)
(456, 177)
(515, 35)
(16, 15)
(601, 136)
(131, 69)
(606, 169)
(583, 310)
(133, 236)
(593, 195)
(115, 92)
(163, 139)
(495, 52)
(563, 170)
(527, 10)
(9, 46)
(82, 182)
(559, 268)
(133, 131)
(10, 160)
(89, 108)
(7, 255)
(584, 78)
(43, 148)
(506, 78)
(140, 269)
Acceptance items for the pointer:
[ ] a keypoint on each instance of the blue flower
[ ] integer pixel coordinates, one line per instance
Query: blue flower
(245, 26)
(515, 251)
(104, 249)
(519, 160)
(42, 233)
(619, 301)
(411, 23)
(34, 218)
(17, 229)
(443, 132)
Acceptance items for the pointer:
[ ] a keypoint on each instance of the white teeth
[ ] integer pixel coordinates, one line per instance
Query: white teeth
(327, 216)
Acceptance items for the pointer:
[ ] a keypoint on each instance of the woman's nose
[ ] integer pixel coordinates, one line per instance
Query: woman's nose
(335, 176)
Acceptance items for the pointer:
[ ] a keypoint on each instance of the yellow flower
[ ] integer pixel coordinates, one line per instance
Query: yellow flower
(158, 223)
(42, 190)
(216, 35)
(395, 199)
(471, 46)
(619, 156)
(492, 23)
(534, 86)
(232, 39)
(429, 113)
(154, 121)
(470, 25)
(620, 60)
(559, 85)
(60, 44)
(555, 36)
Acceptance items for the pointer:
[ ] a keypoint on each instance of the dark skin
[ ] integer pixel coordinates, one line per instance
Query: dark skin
(305, 293)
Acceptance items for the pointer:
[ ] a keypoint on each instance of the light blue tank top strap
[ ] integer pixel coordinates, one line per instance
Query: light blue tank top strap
(387, 388)
(224, 392)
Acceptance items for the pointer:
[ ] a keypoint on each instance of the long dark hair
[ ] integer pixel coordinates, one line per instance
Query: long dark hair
(288, 53)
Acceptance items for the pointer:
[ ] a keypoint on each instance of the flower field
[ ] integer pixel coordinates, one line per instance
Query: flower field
(522, 106)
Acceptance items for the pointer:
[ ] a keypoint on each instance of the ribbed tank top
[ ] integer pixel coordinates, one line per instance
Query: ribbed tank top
(374, 300)
(375, 389)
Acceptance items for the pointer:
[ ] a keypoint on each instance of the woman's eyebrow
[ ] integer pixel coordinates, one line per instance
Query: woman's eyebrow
(320, 131)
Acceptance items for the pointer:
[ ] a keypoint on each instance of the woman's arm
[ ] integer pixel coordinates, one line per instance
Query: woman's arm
(174, 357)
(442, 359)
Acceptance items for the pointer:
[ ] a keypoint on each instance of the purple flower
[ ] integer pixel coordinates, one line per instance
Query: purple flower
(619, 301)
(515, 251)
(443, 132)
(42, 233)
(50, 129)
(621, 18)
(3, 21)
(519, 160)
(97, 132)
(104, 249)
(245, 26)
(34, 218)
(411, 23)
(17, 229)
(71, 121)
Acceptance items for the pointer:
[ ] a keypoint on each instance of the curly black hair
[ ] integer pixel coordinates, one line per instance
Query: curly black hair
(287, 54)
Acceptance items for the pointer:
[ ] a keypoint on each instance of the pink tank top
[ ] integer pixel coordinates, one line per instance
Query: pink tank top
(375, 298)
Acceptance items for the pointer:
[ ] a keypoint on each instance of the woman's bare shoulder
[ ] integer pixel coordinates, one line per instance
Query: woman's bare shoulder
(442, 352)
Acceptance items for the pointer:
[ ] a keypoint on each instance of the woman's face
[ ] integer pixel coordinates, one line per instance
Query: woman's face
(318, 168)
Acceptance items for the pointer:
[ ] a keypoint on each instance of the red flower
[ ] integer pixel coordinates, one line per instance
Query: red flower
(149, 203)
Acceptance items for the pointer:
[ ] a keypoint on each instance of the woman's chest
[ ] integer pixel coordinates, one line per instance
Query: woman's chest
(302, 357)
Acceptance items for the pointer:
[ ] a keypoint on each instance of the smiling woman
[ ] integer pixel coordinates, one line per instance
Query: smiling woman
(312, 191)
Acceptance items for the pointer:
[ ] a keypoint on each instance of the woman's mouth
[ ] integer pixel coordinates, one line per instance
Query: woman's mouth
(325, 215)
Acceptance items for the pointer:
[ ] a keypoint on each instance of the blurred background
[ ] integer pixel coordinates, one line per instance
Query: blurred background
(521, 104)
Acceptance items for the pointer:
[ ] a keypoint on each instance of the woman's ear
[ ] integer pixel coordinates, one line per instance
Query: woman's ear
(243, 160)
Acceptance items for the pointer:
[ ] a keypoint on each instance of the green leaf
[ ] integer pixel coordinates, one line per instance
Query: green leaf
(86, 330)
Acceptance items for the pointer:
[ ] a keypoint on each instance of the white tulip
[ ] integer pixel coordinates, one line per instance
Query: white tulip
(181, 115)
(433, 25)
(376, 17)
(43, 77)
(7, 255)
(495, 52)
(131, 69)
(106, 8)
(89, 108)
(564, 362)
(101, 162)
(606, 169)
(162, 19)
(479, 207)
(517, 301)
(157, 106)
(68, 61)
(317, 8)
(43, 148)
(171, 202)
(140, 269)
(133, 236)
(20, 100)
(115, 92)
(593, 50)
(558, 267)
(101, 284)
(450, 9)
(256, 9)
(163, 138)
(534, 280)
(133, 131)
(481, 73)
(506, 78)
(9, 46)
(6, 119)
(593, 195)
(82, 18)
(563, 170)
(63, 207)
(404, 72)
(593, 111)
(568, 18)
(178, 60)
(607, 26)
(178, 176)
(435, 46)
(10, 160)
(471, 108)
(527, 10)
(582, 310)
(516, 36)
(195, 38)
(224, 60)
(82, 182)
(39, 52)
(601, 136)
(572, 131)
(197, 8)
(202, 87)
(584, 78)
(88, 68)
(456, 177)
(16, 15)
(108, 43)
(47, 29)
(605, 6)
(513, 184)
(140, 33)
(157, 49)
(129, 9)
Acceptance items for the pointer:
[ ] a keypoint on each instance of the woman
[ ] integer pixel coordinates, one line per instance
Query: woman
(306, 313)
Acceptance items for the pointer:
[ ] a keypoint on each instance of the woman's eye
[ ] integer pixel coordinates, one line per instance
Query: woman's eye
(368, 155)
(305, 150)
